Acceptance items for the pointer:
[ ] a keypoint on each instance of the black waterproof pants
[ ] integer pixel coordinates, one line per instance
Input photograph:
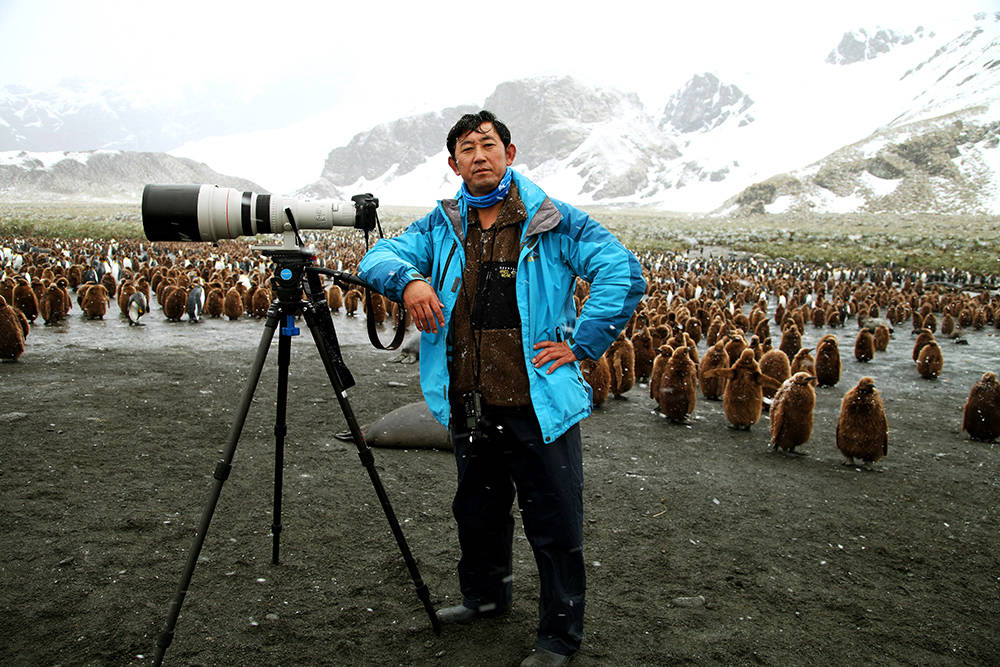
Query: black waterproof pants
(547, 479)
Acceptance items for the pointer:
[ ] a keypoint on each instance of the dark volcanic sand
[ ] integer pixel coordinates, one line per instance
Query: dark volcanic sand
(111, 436)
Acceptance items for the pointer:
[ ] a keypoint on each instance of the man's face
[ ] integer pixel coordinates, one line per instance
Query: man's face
(481, 159)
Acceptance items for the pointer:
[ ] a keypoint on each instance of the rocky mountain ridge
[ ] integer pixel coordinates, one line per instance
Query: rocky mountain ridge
(109, 175)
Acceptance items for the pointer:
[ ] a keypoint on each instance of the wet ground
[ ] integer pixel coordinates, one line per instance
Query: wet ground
(702, 545)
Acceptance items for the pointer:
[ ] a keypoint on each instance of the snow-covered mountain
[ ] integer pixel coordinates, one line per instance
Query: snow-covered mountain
(939, 153)
(879, 93)
(889, 119)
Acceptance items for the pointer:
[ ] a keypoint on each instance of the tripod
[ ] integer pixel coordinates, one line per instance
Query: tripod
(294, 274)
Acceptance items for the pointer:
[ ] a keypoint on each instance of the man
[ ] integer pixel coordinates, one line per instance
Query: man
(488, 278)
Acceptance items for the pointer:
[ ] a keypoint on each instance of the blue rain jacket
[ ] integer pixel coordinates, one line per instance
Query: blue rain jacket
(558, 243)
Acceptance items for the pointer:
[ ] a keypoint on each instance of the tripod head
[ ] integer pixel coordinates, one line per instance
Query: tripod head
(296, 272)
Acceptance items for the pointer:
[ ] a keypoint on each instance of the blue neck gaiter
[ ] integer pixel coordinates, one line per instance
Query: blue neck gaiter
(487, 200)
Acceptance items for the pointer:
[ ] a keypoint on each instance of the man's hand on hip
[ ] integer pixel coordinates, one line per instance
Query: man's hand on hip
(558, 353)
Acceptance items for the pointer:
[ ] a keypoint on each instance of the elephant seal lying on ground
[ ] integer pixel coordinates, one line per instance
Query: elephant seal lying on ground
(408, 427)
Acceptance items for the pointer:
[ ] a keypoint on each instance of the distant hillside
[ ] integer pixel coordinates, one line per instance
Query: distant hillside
(112, 175)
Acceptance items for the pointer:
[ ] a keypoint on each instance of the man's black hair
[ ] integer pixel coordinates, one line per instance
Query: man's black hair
(470, 122)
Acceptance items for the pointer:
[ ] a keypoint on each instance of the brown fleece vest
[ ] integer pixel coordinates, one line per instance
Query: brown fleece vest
(487, 353)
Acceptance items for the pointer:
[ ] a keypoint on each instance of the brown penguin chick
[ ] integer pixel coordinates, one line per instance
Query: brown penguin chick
(642, 344)
(659, 335)
(75, 276)
(663, 354)
(774, 364)
(379, 312)
(215, 302)
(692, 328)
(125, 290)
(735, 344)
(981, 415)
(930, 361)
(818, 317)
(11, 335)
(930, 322)
(598, 375)
(621, 363)
(174, 303)
(791, 340)
(248, 298)
(335, 298)
(352, 300)
(261, 302)
(25, 299)
(864, 346)
(109, 282)
(677, 389)
(862, 428)
(947, 325)
(792, 412)
(803, 362)
(762, 330)
(95, 302)
(923, 337)
(51, 305)
(715, 357)
(22, 321)
(827, 361)
(67, 302)
(881, 335)
(743, 399)
(232, 304)
(979, 320)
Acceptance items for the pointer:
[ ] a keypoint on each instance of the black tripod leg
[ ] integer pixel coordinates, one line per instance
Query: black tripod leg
(222, 469)
(321, 327)
(280, 429)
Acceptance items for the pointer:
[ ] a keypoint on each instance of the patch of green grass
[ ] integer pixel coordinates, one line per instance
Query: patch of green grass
(71, 220)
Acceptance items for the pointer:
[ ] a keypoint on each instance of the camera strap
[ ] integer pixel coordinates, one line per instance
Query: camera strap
(373, 336)
(397, 340)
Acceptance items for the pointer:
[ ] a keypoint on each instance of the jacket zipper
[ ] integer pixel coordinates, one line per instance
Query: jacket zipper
(444, 271)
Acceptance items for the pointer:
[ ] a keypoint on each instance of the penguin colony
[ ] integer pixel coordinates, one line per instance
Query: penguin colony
(734, 307)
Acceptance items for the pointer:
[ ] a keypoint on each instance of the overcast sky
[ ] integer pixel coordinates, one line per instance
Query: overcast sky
(419, 53)
(373, 61)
